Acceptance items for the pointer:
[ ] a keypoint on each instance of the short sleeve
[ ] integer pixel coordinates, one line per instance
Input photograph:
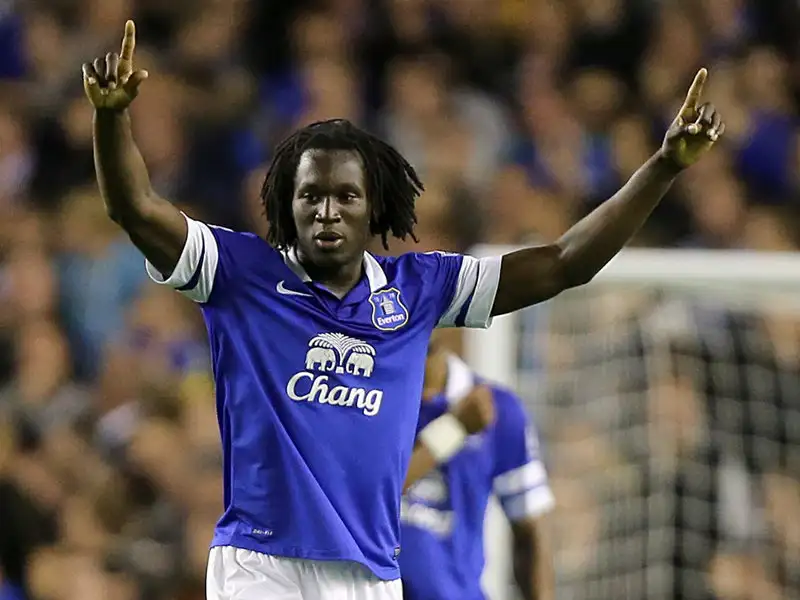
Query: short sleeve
(465, 288)
(520, 477)
(199, 267)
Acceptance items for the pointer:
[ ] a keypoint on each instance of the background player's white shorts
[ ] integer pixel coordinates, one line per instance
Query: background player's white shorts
(236, 574)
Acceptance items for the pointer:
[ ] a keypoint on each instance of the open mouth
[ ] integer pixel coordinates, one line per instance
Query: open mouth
(328, 240)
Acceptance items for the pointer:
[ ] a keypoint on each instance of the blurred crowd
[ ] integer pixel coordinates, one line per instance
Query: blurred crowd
(520, 115)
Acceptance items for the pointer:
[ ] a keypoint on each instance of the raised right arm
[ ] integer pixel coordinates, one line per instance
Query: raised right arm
(154, 225)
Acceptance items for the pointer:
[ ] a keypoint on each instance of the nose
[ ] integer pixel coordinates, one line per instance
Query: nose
(328, 211)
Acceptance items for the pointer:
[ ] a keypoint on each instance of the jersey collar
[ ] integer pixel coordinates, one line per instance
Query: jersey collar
(372, 268)
(460, 379)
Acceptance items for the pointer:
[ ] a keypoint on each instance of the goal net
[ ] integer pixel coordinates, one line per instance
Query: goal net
(667, 397)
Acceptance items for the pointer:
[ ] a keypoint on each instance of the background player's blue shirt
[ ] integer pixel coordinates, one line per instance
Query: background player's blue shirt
(443, 513)
(318, 398)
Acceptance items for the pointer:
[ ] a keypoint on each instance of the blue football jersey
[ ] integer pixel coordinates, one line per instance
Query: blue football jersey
(443, 513)
(318, 397)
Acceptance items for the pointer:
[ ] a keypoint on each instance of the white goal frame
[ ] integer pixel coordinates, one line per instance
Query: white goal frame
(493, 352)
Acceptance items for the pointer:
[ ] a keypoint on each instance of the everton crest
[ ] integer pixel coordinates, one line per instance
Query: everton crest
(388, 311)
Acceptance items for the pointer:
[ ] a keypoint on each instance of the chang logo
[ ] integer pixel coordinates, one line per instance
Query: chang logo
(336, 353)
(426, 505)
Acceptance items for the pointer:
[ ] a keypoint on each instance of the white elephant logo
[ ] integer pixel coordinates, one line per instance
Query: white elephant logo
(359, 363)
(340, 353)
(321, 359)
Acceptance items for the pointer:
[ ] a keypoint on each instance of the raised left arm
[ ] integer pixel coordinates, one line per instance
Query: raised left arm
(535, 274)
(532, 560)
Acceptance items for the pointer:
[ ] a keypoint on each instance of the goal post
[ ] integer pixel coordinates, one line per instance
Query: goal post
(667, 396)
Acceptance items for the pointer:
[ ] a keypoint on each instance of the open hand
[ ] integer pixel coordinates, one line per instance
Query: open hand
(111, 83)
(696, 128)
(476, 410)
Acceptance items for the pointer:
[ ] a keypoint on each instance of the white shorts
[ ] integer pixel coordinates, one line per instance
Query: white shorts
(236, 574)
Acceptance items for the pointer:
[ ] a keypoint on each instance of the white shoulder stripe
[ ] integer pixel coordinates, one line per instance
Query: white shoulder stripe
(532, 503)
(467, 279)
(194, 274)
(520, 479)
(479, 314)
(477, 285)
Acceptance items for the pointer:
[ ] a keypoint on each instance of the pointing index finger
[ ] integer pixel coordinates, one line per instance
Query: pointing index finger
(128, 42)
(689, 108)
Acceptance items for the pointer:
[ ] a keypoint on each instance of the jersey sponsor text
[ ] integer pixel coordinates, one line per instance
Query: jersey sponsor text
(338, 354)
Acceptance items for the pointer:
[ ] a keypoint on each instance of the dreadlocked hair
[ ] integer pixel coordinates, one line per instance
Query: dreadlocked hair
(393, 185)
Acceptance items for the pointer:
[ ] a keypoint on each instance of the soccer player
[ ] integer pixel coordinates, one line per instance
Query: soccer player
(442, 514)
(318, 347)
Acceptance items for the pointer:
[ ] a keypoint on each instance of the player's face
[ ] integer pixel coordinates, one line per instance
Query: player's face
(330, 207)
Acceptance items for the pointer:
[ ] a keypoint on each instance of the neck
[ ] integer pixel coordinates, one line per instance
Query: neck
(435, 376)
(339, 279)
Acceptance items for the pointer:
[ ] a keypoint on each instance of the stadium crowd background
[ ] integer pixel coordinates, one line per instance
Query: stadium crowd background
(520, 115)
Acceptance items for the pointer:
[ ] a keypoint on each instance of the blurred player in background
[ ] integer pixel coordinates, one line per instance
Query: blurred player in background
(318, 347)
(442, 517)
